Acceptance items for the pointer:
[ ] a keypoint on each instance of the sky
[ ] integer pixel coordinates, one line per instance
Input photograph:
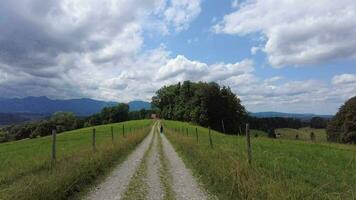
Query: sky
(276, 55)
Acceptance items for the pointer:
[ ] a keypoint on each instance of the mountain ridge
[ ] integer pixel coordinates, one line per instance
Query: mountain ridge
(45, 105)
(302, 116)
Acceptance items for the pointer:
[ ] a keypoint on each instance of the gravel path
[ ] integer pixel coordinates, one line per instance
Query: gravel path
(184, 184)
(115, 185)
(153, 172)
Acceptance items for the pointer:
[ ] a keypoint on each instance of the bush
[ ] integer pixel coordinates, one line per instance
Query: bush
(342, 127)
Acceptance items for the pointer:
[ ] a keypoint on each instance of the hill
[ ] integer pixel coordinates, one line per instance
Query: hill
(303, 134)
(280, 169)
(301, 116)
(16, 110)
(26, 170)
(81, 107)
(138, 105)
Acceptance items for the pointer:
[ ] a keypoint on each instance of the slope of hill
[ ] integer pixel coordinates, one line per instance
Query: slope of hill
(301, 116)
(26, 171)
(280, 169)
(138, 105)
(44, 105)
(81, 107)
(303, 134)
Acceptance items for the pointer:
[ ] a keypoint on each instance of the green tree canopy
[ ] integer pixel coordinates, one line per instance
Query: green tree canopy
(317, 122)
(342, 128)
(206, 104)
(63, 120)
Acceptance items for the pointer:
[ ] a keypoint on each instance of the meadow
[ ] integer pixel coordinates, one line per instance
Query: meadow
(280, 169)
(303, 133)
(27, 171)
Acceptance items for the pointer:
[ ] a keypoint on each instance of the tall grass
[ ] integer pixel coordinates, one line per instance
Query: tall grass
(28, 173)
(303, 133)
(281, 169)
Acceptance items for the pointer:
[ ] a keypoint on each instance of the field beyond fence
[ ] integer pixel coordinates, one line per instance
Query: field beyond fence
(27, 170)
(280, 169)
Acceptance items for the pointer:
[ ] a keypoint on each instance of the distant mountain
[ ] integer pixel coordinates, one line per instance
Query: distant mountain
(301, 116)
(43, 105)
(138, 105)
(81, 107)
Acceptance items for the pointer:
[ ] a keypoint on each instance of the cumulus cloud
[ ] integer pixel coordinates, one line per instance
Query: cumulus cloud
(344, 79)
(297, 32)
(74, 48)
(96, 49)
(181, 12)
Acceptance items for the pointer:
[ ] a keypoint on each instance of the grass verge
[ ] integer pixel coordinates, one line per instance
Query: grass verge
(75, 169)
(138, 188)
(281, 169)
(165, 175)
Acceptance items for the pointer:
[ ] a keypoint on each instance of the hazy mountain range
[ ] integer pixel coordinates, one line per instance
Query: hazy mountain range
(301, 116)
(17, 110)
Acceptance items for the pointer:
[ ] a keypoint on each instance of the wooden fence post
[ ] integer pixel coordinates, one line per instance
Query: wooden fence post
(112, 134)
(54, 132)
(223, 125)
(123, 130)
(249, 156)
(210, 139)
(94, 138)
(196, 133)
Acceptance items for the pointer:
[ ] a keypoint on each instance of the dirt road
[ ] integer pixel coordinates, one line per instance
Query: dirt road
(153, 171)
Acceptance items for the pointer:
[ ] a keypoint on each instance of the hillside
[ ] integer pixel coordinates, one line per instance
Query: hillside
(303, 134)
(17, 110)
(138, 105)
(26, 170)
(301, 116)
(81, 107)
(280, 169)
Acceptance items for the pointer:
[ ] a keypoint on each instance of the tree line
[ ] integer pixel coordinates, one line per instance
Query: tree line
(206, 104)
(66, 121)
(342, 128)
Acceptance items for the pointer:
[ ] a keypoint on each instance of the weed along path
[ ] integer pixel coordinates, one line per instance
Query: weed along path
(115, 185)
(154, 171)
(184, 184)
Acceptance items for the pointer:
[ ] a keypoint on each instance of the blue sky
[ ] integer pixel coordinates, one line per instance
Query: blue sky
(287, 56)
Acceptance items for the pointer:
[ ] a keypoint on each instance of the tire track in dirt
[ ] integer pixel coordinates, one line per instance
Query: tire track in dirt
(184, 185)
(153, 172)
(115, 185)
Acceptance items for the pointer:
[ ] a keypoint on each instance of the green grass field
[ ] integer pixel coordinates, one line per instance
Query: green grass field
(281, 169)
(26, 170)
(303, 133)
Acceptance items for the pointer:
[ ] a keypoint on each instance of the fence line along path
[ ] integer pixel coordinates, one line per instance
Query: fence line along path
(115, 185)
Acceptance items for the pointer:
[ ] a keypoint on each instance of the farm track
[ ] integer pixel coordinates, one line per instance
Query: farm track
(153, 171)
(116, 184)
(184, 184)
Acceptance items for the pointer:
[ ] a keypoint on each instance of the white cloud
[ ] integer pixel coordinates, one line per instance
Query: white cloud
(297, 32)
(68, 49)
(181, 13)
(235, 3)
(254, 50)
(344, 79)
(96, 49)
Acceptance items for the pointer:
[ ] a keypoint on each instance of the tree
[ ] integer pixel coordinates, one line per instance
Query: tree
(114, 114)
(43, 128)
(342, 128)
(206, 104)
(317, 122)
(64, 121)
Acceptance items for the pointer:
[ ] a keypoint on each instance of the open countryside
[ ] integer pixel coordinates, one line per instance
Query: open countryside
(177, 100)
